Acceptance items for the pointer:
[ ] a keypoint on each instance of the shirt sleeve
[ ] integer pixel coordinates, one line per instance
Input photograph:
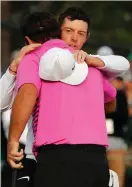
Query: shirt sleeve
(109, 91)
(114, 65)
(28, 72)
(6, 115)
(7, 83)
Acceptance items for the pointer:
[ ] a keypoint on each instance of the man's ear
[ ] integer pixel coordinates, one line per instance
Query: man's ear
(28, 40)
(88, 35)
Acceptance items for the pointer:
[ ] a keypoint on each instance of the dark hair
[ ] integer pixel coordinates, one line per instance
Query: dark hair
(119, 78)
(40, 27)
(73, 13)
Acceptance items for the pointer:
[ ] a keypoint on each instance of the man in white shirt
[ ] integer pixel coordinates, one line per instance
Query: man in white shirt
(7, 83)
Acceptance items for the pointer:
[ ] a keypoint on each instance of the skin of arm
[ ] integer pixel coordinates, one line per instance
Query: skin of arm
(27, 91)
(111, 66)
(26, 49)
(21, 110)
(94, 61)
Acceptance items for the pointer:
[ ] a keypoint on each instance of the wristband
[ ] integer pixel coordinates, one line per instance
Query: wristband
(12, 70)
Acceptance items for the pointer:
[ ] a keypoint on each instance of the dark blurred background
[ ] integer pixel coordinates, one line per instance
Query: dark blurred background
(111, 25)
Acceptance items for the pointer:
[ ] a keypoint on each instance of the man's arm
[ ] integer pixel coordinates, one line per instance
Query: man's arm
(109, 72)
(28, 87)
(8, 80)
(7, 84)
(112, 65)
(21, 110)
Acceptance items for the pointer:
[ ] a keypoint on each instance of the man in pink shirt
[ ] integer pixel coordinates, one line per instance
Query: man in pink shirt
(69, 121)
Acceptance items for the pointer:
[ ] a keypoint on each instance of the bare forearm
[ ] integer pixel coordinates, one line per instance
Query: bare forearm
(21, 111)
(94, 61)
(110, 107)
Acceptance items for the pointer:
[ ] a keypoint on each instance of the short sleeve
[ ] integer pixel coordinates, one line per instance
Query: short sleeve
(28, 72)
(109, 91)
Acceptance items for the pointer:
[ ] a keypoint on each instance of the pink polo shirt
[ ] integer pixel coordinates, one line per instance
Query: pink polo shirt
(66, 114)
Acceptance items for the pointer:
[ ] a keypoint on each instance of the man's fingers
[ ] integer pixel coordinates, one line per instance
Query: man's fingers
(35, 45)
(75, 56)
(28, 48)
(83, 59)
(16, 159)
(20, 152)
(80, 56)
(16, 154)
(14, 165)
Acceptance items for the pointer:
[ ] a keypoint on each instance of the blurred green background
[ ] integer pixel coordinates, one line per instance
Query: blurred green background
(111, 24)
